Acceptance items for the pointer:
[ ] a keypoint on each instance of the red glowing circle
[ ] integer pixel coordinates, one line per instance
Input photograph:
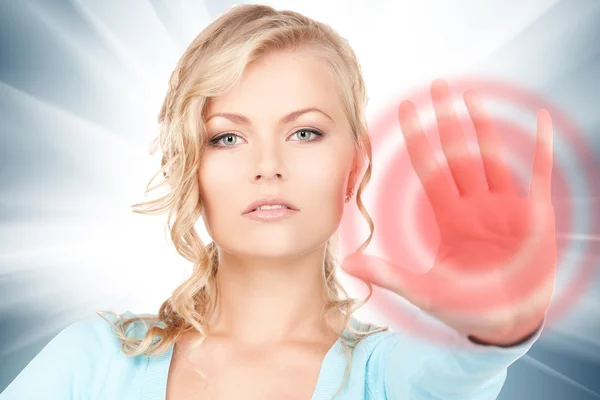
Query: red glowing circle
(400, 202)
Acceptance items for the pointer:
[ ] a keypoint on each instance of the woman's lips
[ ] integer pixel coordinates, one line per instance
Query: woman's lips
(275, 214)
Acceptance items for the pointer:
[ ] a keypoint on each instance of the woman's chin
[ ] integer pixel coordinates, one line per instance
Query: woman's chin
(274, 249)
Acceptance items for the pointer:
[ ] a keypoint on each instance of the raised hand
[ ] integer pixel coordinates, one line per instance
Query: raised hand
(495, 268)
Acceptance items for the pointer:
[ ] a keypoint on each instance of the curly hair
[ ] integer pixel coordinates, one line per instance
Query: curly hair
(212, 64)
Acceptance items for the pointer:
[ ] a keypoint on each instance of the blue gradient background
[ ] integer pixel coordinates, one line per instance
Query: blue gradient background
(80, 87)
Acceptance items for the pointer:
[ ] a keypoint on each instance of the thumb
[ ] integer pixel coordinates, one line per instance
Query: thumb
(431, 291)
(380, 272)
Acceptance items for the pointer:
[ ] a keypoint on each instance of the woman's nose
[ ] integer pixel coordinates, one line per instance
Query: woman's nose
(268, 163)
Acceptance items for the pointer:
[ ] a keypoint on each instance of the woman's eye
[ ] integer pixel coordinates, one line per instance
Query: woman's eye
(304, 133)
(230, 139)
(227, 138)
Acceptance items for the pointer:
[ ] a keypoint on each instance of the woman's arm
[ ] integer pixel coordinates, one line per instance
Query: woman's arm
(417, 369)
(494, 272)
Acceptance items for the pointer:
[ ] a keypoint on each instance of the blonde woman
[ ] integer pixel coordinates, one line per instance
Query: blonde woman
(264, 138)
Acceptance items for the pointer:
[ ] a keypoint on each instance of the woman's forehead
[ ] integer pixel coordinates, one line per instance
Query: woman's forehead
(281, 83)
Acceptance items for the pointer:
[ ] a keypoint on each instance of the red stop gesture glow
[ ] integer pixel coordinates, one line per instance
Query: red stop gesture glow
(407, 227)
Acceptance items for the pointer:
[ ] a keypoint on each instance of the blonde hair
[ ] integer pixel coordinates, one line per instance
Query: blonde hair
(213, 63)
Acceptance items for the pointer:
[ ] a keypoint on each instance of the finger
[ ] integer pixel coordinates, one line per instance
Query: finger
(377, 271)
(541, 177)
(496, 170)
(437, 188)
(454, 142)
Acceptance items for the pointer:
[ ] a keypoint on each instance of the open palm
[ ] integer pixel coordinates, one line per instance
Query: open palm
(494, 270)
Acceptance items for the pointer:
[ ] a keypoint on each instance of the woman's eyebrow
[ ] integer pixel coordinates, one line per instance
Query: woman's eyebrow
(242, 120)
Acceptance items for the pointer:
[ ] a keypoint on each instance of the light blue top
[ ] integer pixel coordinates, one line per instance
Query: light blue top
(84, 361)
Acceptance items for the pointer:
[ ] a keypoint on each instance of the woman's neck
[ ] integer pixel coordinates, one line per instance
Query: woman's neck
(267, 301)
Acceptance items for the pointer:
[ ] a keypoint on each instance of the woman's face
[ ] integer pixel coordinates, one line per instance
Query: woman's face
(260, 154)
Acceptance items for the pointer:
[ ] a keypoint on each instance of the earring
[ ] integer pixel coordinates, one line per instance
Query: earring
(349, 196)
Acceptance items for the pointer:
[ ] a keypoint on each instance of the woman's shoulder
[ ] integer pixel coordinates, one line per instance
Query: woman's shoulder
(95, 330)
(76, 360)
(92, 341)
(377, 336)
(90, 336)
(94, 345)
(105, 321)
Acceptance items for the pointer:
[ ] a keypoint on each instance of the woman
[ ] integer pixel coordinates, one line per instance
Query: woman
(264, 136)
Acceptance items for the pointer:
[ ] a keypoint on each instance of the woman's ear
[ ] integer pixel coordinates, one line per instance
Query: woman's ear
(355, 173)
